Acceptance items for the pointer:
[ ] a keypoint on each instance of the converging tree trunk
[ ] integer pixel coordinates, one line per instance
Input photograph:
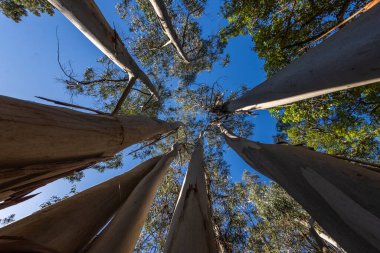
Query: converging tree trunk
(87, 17)
(191, 226)
(347, 59)
(342, 197)
(121, 235)
(167, 26)
(71, 224)
(41, 143)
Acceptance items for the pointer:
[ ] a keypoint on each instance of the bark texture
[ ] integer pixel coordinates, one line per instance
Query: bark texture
(166, 24)
(121, 235)
(70, 224)
(191, 226)
(347, 59)
(87, 17)
(342, 197)
(41, 143)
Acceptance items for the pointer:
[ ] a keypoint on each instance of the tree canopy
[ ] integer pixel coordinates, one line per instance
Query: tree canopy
(252, 215)
(17, 9)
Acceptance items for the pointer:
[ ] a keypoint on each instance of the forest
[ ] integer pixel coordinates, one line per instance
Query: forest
(155, 103)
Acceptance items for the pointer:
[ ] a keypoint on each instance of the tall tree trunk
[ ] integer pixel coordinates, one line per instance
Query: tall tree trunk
(121, 235)
(41, 143)
(87, 17)
(69, 225)
(347, 59)
(313, 231)
(167, 26)
(341, 196)
(191, 226)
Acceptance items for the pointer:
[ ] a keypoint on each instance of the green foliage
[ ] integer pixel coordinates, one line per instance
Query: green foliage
(343, 123)
(280, 28)
(281, 224)
(147, 39)
(17, 9)
(55, 199)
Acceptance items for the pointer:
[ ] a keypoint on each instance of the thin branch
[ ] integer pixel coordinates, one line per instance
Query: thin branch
(71, 105)
(59, 58)
(143, 107)
(153, 142)
(104, 80)
(127, 90)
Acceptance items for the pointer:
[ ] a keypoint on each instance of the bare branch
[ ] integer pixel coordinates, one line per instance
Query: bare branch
(71, 105)
(131, 82)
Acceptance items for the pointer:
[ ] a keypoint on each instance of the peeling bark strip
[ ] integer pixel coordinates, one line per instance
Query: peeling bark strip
(348, 59)
(87, 17)
(167, 26)
(191, 227)
(68, 226)
(341, 196)
(121, 235)
(41, 143)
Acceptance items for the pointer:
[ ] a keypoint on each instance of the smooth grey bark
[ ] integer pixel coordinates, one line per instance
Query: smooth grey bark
(342, 197)
(191, 227)
(166, 24)
(70, 224)
(87, 17)
(41, 143)
(349, 58)
(121, 235)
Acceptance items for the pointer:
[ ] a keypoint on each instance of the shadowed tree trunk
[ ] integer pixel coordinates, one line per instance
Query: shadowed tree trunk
(342, 197)
(191, 226)
(87, 17)
(347, 59)
(167, 26)
(69, 225)
(121, 235)
(41, 143)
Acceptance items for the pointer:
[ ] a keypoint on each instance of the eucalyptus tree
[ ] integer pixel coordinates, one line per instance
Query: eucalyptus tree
(330, 66)
(72, 224)
(343, 123)
(79, 140)
(193, 106)
(149, 41)
(323, 186)
(279, 29)
(192, 228)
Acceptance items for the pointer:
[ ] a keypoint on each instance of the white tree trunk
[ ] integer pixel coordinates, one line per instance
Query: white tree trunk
(40, 143)
(87, 17)
(191, 227)
(167, 26)
(121, 235)
(341, 196)
(69, 225)
(347, 59)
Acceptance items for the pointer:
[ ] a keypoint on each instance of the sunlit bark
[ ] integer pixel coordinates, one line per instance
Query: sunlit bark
(87, 17)
(342, 197)
(121, 235)
(191, 227)
(167, 26)
(347, 59)
(70, 225)
(41, 143)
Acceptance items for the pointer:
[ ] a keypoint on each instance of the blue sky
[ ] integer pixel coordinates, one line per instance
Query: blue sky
(28, 68)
